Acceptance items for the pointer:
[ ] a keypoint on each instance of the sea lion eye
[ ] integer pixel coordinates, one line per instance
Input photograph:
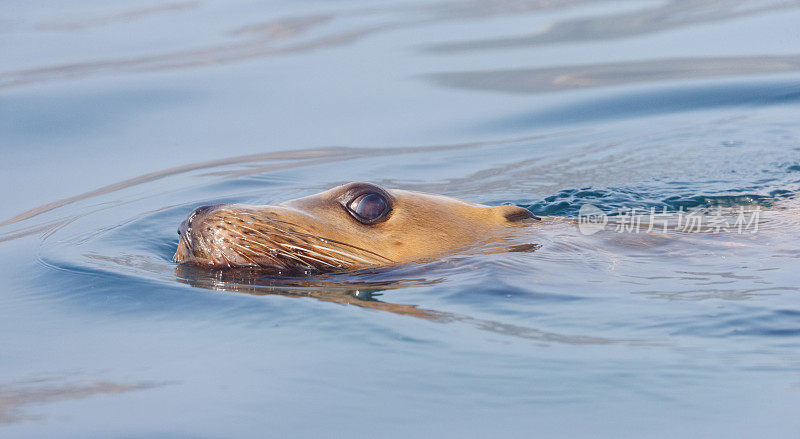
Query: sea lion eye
(368, 208)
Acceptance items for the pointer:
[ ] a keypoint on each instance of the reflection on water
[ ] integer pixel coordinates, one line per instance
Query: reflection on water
(366, 294)
(638, 103)
(541, 80)
(67, 25)
(287, 36)
(660, 17)
(117, 120)
(16, 397)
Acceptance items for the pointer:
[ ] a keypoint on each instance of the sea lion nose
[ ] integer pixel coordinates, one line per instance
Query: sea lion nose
(203, 209)
(182, 228)
(200, 211)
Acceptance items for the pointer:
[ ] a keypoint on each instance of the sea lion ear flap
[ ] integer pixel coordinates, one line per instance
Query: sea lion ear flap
(514, 214)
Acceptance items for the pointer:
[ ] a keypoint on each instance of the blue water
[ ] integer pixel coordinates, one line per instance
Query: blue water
(117, 119)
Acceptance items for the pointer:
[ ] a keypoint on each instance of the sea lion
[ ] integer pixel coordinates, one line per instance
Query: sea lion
(350, 227)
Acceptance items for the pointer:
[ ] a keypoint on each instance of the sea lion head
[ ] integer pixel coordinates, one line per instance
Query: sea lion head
(350, 227)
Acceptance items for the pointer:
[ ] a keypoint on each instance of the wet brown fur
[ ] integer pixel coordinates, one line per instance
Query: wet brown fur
(317, 234)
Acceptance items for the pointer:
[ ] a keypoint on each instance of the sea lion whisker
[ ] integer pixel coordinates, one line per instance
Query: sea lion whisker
(293, 225)
(320, 238)
(283, 232)
(267, 235)
(294, 256)
(321, 261)
(227, 261)
(243, 255)
(307, 252)
(255, 252)
(359, 249)
(276, 252)
(342, 253)
(317, 253)
(260, 232)
(303, 259)
(285, 254)
(328, 249)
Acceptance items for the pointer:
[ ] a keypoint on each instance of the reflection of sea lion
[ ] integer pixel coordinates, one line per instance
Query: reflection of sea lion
(350, 227)
(365, 291)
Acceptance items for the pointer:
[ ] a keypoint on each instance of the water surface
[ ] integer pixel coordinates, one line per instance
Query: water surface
(116, 120)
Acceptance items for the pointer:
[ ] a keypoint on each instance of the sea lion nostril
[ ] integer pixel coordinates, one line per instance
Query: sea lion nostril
(183, 227)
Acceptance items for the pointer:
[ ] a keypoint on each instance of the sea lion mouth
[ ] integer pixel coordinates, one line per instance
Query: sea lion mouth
(227, 236)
